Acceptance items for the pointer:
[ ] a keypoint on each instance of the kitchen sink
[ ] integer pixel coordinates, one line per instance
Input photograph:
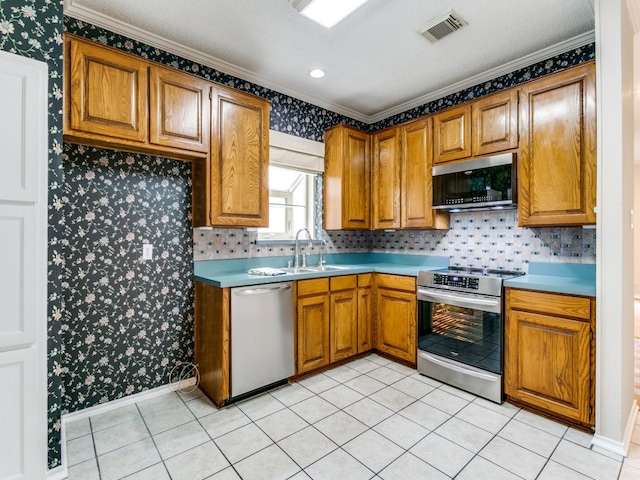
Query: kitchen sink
(313, 269)
(294, 270)
(328, 268)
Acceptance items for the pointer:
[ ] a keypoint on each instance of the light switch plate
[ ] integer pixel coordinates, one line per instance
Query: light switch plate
(147, 251)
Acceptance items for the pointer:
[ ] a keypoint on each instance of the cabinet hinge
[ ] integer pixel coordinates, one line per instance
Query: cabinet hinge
(210, 95)
(590, 334)
(590, 411)
(210, 215)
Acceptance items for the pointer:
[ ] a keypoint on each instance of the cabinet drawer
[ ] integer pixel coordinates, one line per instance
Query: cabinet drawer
(346, 282)
(365, 279)
(549, 303)
(313, 286)
(396, 282)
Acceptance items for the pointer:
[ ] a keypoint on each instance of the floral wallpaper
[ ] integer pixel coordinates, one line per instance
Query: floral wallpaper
(127, 321)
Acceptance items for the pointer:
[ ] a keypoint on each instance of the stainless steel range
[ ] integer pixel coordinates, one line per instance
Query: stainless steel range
(460, 328)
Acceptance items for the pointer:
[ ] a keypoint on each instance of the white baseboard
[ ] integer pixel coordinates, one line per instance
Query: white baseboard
(619, 448)
(60, 473)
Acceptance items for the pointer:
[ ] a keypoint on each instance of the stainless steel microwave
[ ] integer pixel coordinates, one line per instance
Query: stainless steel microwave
(486, 182)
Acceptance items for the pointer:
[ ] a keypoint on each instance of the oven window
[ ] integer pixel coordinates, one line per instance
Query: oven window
(466, 335)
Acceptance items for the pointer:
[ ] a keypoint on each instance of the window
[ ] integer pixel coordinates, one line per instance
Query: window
(291, 203)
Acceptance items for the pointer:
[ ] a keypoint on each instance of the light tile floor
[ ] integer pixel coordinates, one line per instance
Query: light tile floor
(370, 418)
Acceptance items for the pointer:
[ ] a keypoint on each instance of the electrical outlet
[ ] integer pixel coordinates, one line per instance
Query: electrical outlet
(147, 251)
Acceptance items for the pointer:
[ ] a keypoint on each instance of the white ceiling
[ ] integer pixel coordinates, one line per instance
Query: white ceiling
(376, 61)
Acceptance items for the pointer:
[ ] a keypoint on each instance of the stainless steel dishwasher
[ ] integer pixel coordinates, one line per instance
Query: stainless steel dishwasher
(261, 336)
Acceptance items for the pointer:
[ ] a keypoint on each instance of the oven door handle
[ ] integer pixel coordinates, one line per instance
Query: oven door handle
(457, 368)
(477, 303)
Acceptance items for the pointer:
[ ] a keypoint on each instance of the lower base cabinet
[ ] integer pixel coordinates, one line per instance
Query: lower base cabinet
(549, 353)
(212, 340)
(396, 316)
(333, 320)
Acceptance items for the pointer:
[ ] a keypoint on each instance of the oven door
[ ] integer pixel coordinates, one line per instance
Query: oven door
(460, 340)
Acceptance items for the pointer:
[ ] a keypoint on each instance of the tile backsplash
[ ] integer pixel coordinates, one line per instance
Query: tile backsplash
(486, 239)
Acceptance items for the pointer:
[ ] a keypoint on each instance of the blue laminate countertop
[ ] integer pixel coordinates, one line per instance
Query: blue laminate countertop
(571, 278)
(233, 273)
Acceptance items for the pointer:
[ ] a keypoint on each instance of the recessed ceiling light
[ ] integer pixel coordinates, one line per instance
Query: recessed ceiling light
(317, 73)
(326, 12)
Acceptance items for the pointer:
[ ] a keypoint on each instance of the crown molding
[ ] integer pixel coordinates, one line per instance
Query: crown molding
(82, 13)
(527, 60)
(79, 12)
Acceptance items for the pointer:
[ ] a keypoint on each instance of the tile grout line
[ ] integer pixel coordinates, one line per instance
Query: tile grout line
(95, 450)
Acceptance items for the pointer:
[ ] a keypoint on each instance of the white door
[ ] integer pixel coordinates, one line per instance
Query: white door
(23, 249)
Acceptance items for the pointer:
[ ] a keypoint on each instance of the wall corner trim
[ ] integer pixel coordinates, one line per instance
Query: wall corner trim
(614, 446)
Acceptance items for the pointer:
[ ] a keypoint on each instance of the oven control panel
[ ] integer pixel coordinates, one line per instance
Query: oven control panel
(458, 281)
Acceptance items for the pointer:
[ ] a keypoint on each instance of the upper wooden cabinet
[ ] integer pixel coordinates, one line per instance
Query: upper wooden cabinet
(495, 123)
(484, 126)
(549, 353)
(347, 177)
(416, 192)
(106, 93)
(452, 138)
(239, 159)
(179, 110)
(402, 179)
(386, 168)
(120, 101)
(557, 161)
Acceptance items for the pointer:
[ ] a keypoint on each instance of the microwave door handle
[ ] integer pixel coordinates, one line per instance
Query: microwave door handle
(460, 300)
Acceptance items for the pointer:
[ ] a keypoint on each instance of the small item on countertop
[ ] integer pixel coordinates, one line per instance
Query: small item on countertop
(266, 271)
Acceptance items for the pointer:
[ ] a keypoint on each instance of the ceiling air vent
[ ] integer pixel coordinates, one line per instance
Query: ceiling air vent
(442, 26)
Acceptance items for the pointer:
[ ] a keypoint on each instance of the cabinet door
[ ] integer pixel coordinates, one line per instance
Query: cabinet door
(557, 162)
(365, 319)
(396, 324)
(347, 169)
(495, 123)
(452, 134)
(107, 92)
(416, 185)
(179, 110)
(344, 325)
(356, 180)
(547, 363)
(386, 179)
(239, 159)
(312, 329)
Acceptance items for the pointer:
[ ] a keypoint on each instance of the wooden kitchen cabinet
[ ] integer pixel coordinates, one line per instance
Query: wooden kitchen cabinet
(385, 198)
(452, 134)
(402, 178)
(106, 93)
(239, 189)
(212, 340)
(557, 159)
(343, 317)
(365, 312)
(482, 127)
(333, 319)
(549, 353)
(179, 110)
(495, 123)
(396, 316)
(312, 324)
(347, 178)
(416, 186)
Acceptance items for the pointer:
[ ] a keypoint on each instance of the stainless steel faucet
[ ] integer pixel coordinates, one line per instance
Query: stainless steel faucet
(296, 262)
(323, 245)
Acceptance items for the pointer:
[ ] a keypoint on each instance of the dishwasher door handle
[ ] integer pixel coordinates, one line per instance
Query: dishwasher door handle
(261, 291)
